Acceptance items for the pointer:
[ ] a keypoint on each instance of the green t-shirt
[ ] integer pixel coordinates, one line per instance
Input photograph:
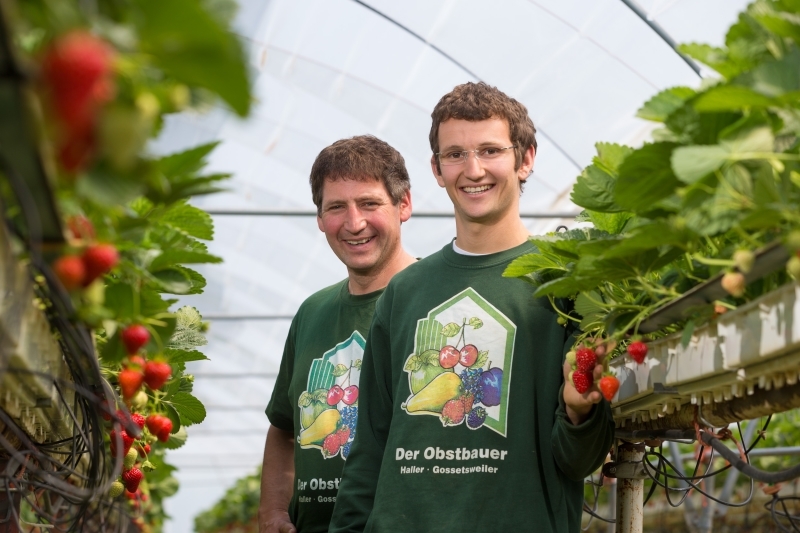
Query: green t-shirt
(316, 396)
(462, 425)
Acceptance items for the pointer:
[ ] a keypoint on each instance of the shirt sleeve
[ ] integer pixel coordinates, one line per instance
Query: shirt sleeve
(580, 450)
(279, 410)
(375, 403)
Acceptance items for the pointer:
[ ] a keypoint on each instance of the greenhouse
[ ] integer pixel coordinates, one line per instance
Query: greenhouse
(165, 251)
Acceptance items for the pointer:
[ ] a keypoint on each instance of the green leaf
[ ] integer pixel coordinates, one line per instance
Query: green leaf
(430, 357)
(191, 220)
(120, 299)
(714, 57)
(190, 45)
(730, 98)
(776, 78)
(483, 356)
(173, 281)
(594, 190)
(173, 415)
(189, 408)
(340, 370)
(175, 356)
(688, 331)
(357, 364)
(758, 139)
(584, 305)
(188, 333)
(645, 177)
(304, 400)
(527, 264)
(171, 258)
(476, 322)
(612, 223)
(691, 163)
(177, 439)
(610, 156)
(105, 187)
(451, 329)
(662, 105)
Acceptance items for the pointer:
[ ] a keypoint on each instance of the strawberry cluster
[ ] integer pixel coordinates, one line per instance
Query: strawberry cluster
(583, 361)
(75, 270)
(77, 74)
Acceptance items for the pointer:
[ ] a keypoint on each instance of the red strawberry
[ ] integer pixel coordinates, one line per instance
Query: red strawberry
(134, 361)
(453, 412)
(609, 385)
(156, 373)
(129, 382)
(343, 434)
(76, 69)
(98, 260)
(585, 359)
(160, 426)
(734, 284)
(70, 271)
(468, 399)
(143, 450)
(582, 380)
(134, 337)
(637, 350)
(131, 478)
(138, 419)
(163, 435)
(122, 435)
(331, 445)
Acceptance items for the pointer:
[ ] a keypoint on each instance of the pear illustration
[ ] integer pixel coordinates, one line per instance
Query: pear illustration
(325, 424)
(435, 394)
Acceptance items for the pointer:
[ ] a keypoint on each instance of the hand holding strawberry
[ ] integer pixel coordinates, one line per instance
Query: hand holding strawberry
(581, 395)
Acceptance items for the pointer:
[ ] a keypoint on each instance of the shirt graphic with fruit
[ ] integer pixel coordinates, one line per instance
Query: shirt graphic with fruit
(461, 365)
(329, 405)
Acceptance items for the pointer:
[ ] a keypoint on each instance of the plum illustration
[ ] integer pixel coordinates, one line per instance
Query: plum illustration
(448, 357)
(335, 395)
(468, 355)
(350, 395)
(490, 385)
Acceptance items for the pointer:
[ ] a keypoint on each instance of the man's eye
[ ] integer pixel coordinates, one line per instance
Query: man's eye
(453, 155)
(490, 151)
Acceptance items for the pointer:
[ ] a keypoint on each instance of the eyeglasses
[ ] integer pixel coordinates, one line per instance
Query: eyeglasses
(458, 157)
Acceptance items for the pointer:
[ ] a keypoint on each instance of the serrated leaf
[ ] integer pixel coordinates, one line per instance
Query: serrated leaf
(191, 220)
(663, 104)
(173, 280)
(476, 322)
(430, 357)
(177, 439)
(147, 466)
(171, 258)
(613, 223)
(304, 400)
(594, 190)
(528, 264)
(175, 356)
(339, 370)
(173, 415)
(189, 408)
(451, 329)
(730, 98)
(692, 163)
(585, 303)
(187, 333)
(483, 356)
(357, 364)
(714, 57)
(645, 177)
(413, 363)
(320, 395)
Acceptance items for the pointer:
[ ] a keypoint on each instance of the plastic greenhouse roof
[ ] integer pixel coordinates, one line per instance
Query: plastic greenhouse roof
(328, 69)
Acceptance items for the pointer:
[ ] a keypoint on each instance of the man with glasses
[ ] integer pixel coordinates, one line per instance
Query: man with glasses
(468, 421)
(362, 192)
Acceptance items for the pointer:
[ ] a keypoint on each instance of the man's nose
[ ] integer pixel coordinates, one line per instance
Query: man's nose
(473, 167)
(355, 220)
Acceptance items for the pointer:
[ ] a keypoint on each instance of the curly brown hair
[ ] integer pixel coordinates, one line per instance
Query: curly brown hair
(480, 101)
(362, 158)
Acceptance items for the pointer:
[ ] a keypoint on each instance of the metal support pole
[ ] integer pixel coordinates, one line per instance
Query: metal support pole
(612, 505)
(630, 491)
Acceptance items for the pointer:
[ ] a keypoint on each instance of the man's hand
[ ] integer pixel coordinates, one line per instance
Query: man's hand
(278, 523)
(580, 405)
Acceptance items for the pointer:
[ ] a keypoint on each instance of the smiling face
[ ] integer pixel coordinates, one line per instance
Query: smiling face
(482, 192)
(361, 223)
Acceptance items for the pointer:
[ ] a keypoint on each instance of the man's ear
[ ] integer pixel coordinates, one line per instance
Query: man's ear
(527, 163)
(319, 224)
(435, 170)
(404, 206)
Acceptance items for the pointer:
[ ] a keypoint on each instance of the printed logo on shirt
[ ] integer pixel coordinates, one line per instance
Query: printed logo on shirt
(461, 365)
(329, 405)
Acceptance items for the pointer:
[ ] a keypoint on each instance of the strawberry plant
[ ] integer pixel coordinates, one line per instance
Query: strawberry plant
(106, 77)
(719, 181)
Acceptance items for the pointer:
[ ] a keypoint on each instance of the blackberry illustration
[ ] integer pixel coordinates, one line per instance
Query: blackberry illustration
(346, 449)
(471, 380)
(476, 418)
(349, 419)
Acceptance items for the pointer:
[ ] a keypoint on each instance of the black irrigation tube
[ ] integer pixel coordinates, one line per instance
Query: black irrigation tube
(745, 467)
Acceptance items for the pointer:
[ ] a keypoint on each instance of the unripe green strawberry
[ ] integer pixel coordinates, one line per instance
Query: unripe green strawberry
(139, 401)
(744, 260)
(571, 358)
(116, 489)
(561, 321)
(734, 284)
(793, 240)
(793, 267)
(130, 458)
